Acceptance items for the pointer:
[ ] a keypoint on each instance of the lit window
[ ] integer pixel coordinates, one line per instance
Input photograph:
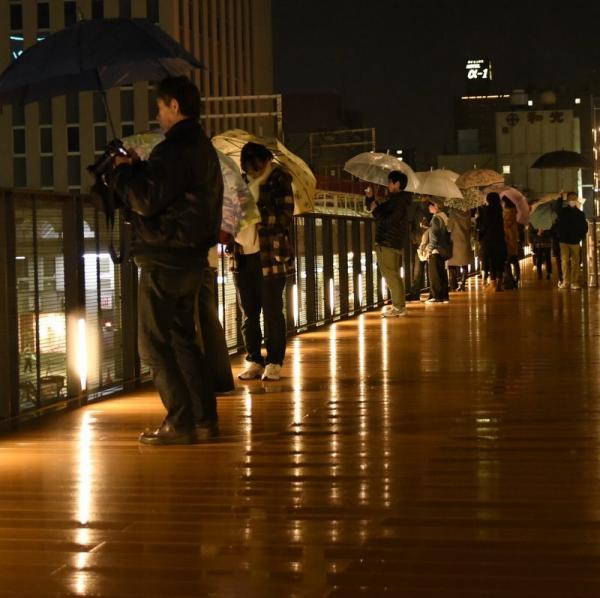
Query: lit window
(506, 169)
(530, 102)
(578, 100)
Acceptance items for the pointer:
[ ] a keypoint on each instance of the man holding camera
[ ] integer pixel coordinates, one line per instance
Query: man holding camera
(175, 203)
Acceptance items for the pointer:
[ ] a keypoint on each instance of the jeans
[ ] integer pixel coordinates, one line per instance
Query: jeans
(438, 278)
(214, 343)
(168, 344)
(258, 293)
(571, 263)
(389, 261)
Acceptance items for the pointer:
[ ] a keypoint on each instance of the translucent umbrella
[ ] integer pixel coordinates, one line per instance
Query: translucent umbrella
(239, 206)
(374, 167)
(304, 182)
(434, 182)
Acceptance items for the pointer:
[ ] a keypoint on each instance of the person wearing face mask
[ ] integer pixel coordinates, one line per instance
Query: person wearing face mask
(262, 260)
(571, 228)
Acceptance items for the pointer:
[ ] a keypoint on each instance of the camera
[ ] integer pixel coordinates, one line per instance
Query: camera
(103, 164)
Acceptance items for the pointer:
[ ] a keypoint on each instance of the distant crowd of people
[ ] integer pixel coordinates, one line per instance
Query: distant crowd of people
(445, 241)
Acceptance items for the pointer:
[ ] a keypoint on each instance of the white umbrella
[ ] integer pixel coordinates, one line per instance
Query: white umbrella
(374, 167)
(446, 172)
(434, 182)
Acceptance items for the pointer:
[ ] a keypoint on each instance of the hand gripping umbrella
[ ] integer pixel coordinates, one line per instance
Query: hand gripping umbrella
(94, 56)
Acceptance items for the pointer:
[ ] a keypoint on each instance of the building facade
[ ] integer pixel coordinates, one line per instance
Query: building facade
(508, 132)
(51, 142)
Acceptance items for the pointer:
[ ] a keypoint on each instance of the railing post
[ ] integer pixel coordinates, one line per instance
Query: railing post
(369, 264)
(9, 347)
(356, 264)
(310, 262)
(327, 245)
(129, 312)
(343, 266)
(291, 281)
(74, 287)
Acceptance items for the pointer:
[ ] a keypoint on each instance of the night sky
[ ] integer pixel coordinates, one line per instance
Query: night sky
(401, 63)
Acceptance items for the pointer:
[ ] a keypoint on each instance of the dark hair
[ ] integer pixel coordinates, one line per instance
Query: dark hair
(254, 155)
(398, 177)
(182, 90)
(493, 200)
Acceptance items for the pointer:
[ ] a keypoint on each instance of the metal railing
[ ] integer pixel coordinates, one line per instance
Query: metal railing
(68, 315)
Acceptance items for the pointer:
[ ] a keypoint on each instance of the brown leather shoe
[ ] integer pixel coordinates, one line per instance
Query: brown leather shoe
(168, 435)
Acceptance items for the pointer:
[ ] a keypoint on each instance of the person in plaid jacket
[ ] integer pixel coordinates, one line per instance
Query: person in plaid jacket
(262, 259)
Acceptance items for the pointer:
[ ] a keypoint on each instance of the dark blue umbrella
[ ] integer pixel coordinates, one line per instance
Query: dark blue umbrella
(94, 56)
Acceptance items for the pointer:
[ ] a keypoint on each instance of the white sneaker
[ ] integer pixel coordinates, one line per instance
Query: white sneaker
(575, 287)
(252, 372)
(563, 285)
(394, 313)
(272, 372)
(386, 309)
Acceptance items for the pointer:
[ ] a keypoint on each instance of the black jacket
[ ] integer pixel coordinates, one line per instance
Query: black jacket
(571, 226)
(392, 221)
(175, 199)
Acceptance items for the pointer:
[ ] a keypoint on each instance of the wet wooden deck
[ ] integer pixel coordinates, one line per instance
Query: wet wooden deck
(454, 453)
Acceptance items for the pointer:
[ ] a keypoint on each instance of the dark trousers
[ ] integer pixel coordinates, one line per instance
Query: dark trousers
(457, 277)
(418, 278)
(214, 343)
(543, 255)
(557, 257)
(168, 344)
(438, 277)
(513, 266)
(258, 293)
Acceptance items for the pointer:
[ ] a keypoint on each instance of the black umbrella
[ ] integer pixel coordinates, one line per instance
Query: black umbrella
(561, 159)
(94, 56)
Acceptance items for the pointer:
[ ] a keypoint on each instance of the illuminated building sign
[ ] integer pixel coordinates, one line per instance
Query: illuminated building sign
(479, 69)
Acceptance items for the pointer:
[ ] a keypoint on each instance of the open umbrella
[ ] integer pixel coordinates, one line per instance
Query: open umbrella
(543, 216)
(433, 182)
(515, 197)
(304, 182)
(374, 167)
(480, 177)
(239, 206)
(561, 159)
(473, 197)
(94, 56)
